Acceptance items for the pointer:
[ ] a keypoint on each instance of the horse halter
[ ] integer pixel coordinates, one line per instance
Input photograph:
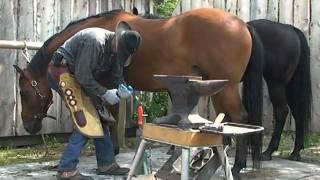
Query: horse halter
(43, 114)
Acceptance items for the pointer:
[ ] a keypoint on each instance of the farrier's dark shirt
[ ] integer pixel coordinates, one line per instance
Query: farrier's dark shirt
(88, 54)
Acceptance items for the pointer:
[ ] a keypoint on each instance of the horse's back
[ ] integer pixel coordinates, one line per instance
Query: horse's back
(217, 39)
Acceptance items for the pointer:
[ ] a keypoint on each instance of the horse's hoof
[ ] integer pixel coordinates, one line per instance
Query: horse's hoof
(294, 157)
(266, 156)
(236, 173)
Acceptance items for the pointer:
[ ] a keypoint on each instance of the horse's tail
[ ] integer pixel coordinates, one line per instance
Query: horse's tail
(252, 93)
(299, 88)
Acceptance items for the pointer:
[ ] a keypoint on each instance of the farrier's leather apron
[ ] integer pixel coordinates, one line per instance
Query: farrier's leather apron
(84, 115)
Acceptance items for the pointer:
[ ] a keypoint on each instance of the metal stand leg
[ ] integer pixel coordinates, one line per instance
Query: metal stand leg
(225, 163)
(185, 164)
(137, 158)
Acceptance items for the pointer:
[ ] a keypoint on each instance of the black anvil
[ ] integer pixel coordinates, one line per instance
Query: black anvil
(185, 92)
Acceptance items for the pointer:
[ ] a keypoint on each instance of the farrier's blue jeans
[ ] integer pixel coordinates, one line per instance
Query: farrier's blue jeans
(70, 158)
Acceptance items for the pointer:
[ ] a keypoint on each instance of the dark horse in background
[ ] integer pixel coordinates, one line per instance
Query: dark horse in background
(204, 42)
(287, 75)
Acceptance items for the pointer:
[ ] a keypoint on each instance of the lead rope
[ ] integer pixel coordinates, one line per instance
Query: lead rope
(25, 53)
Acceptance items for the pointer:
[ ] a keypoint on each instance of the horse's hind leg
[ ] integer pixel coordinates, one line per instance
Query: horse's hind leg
(228, 101)
(280, 111)
(298, 145)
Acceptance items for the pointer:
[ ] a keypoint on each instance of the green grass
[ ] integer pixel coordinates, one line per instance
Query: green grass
(50, 150)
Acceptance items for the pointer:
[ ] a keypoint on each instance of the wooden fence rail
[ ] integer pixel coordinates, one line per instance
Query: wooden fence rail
(4, 44)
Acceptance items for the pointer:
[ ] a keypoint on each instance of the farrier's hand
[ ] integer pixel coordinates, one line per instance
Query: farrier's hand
(111, 96)
(124, 91)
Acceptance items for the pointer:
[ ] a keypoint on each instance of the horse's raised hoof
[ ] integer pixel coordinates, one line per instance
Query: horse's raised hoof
(294, 157)
(266, 156)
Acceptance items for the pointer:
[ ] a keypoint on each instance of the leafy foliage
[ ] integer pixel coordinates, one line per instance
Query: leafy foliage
(155, 104)
(165, 7)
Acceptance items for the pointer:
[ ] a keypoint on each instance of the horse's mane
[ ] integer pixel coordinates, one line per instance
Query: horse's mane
(38, 65)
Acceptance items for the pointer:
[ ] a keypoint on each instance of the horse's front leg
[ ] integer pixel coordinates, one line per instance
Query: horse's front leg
(113, 128)
(228, 101)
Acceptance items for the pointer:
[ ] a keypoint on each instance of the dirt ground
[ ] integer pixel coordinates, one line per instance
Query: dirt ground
(276, 169)
(39, 162)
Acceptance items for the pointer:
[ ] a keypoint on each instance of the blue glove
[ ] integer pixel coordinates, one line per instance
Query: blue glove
(124, 91)
(111, 96)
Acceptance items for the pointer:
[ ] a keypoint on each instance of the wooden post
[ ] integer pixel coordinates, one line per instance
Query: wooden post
(220, 4)
(273, 10)
(315, 61)
(122, 123)
(258, 9)
(231, 7)
(8, 78)
(243, 10)
(286, 11)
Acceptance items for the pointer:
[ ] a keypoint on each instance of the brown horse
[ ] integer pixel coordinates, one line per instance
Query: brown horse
(204, 42)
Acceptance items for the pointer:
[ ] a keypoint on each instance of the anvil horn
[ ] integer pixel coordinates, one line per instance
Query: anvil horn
(208, 87)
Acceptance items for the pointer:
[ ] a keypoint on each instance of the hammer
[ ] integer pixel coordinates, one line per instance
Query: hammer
(216, 126)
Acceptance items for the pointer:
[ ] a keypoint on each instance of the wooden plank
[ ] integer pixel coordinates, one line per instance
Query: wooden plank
(302, 15)
(211, 3)
(185, 5)
(177, 136)
(286, 11)
(128, 5)
(258, 9)
(64, 121)
(138, 5)
(177, 10)
(104, 5)
(122, 122)
(116, 4)
(80, 9)
(65, 13)
(9, 113)
(144, 6)
(93, 6)
(151, 6)
(231, 7)
(273, 10)
(315, 62)
(220, 4)
(196, 4)
(205, 3)
(26, 30)
(243, 10)
(46, 22)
